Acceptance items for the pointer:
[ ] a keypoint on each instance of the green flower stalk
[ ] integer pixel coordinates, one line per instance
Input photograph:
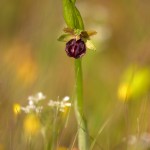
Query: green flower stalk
(77, 41)
(83, 136)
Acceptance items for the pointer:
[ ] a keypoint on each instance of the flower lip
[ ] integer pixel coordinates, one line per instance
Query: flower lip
(75, 48)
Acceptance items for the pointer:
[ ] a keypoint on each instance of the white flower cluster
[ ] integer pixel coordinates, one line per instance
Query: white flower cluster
(32, 103)
(34, 100)
(60, 104)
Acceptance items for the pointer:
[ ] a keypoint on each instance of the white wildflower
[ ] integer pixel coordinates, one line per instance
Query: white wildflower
(32, 103)
(41, 96)
(37, 97)
(68, 104)
(60, 104)
(34, 106)
(66, 98)
(39, 109)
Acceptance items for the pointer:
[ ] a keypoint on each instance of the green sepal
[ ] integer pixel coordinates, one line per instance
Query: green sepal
(65, 37)
(89, 44)
(72, 16)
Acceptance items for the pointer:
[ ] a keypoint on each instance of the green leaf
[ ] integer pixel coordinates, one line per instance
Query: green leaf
(90, 45)
(72, 16)
(65, 37)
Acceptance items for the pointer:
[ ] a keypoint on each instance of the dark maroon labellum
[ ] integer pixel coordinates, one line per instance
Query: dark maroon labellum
(75, 48)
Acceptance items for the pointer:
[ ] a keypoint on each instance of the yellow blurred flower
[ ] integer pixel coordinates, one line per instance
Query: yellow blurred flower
(16, 109)
(135, 83)
(31, 124)
(123, 91)
(27, 71)
(19, 57)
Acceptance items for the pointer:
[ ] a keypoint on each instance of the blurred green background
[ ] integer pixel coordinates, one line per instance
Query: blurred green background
(32, 60)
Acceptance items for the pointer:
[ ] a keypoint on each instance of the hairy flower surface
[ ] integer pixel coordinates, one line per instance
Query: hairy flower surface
(75, 48)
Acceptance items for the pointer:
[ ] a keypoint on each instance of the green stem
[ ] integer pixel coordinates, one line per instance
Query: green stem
(74, 20)
(83, 139)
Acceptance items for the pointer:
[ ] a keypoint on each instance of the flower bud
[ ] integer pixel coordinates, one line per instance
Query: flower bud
(75, 48)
